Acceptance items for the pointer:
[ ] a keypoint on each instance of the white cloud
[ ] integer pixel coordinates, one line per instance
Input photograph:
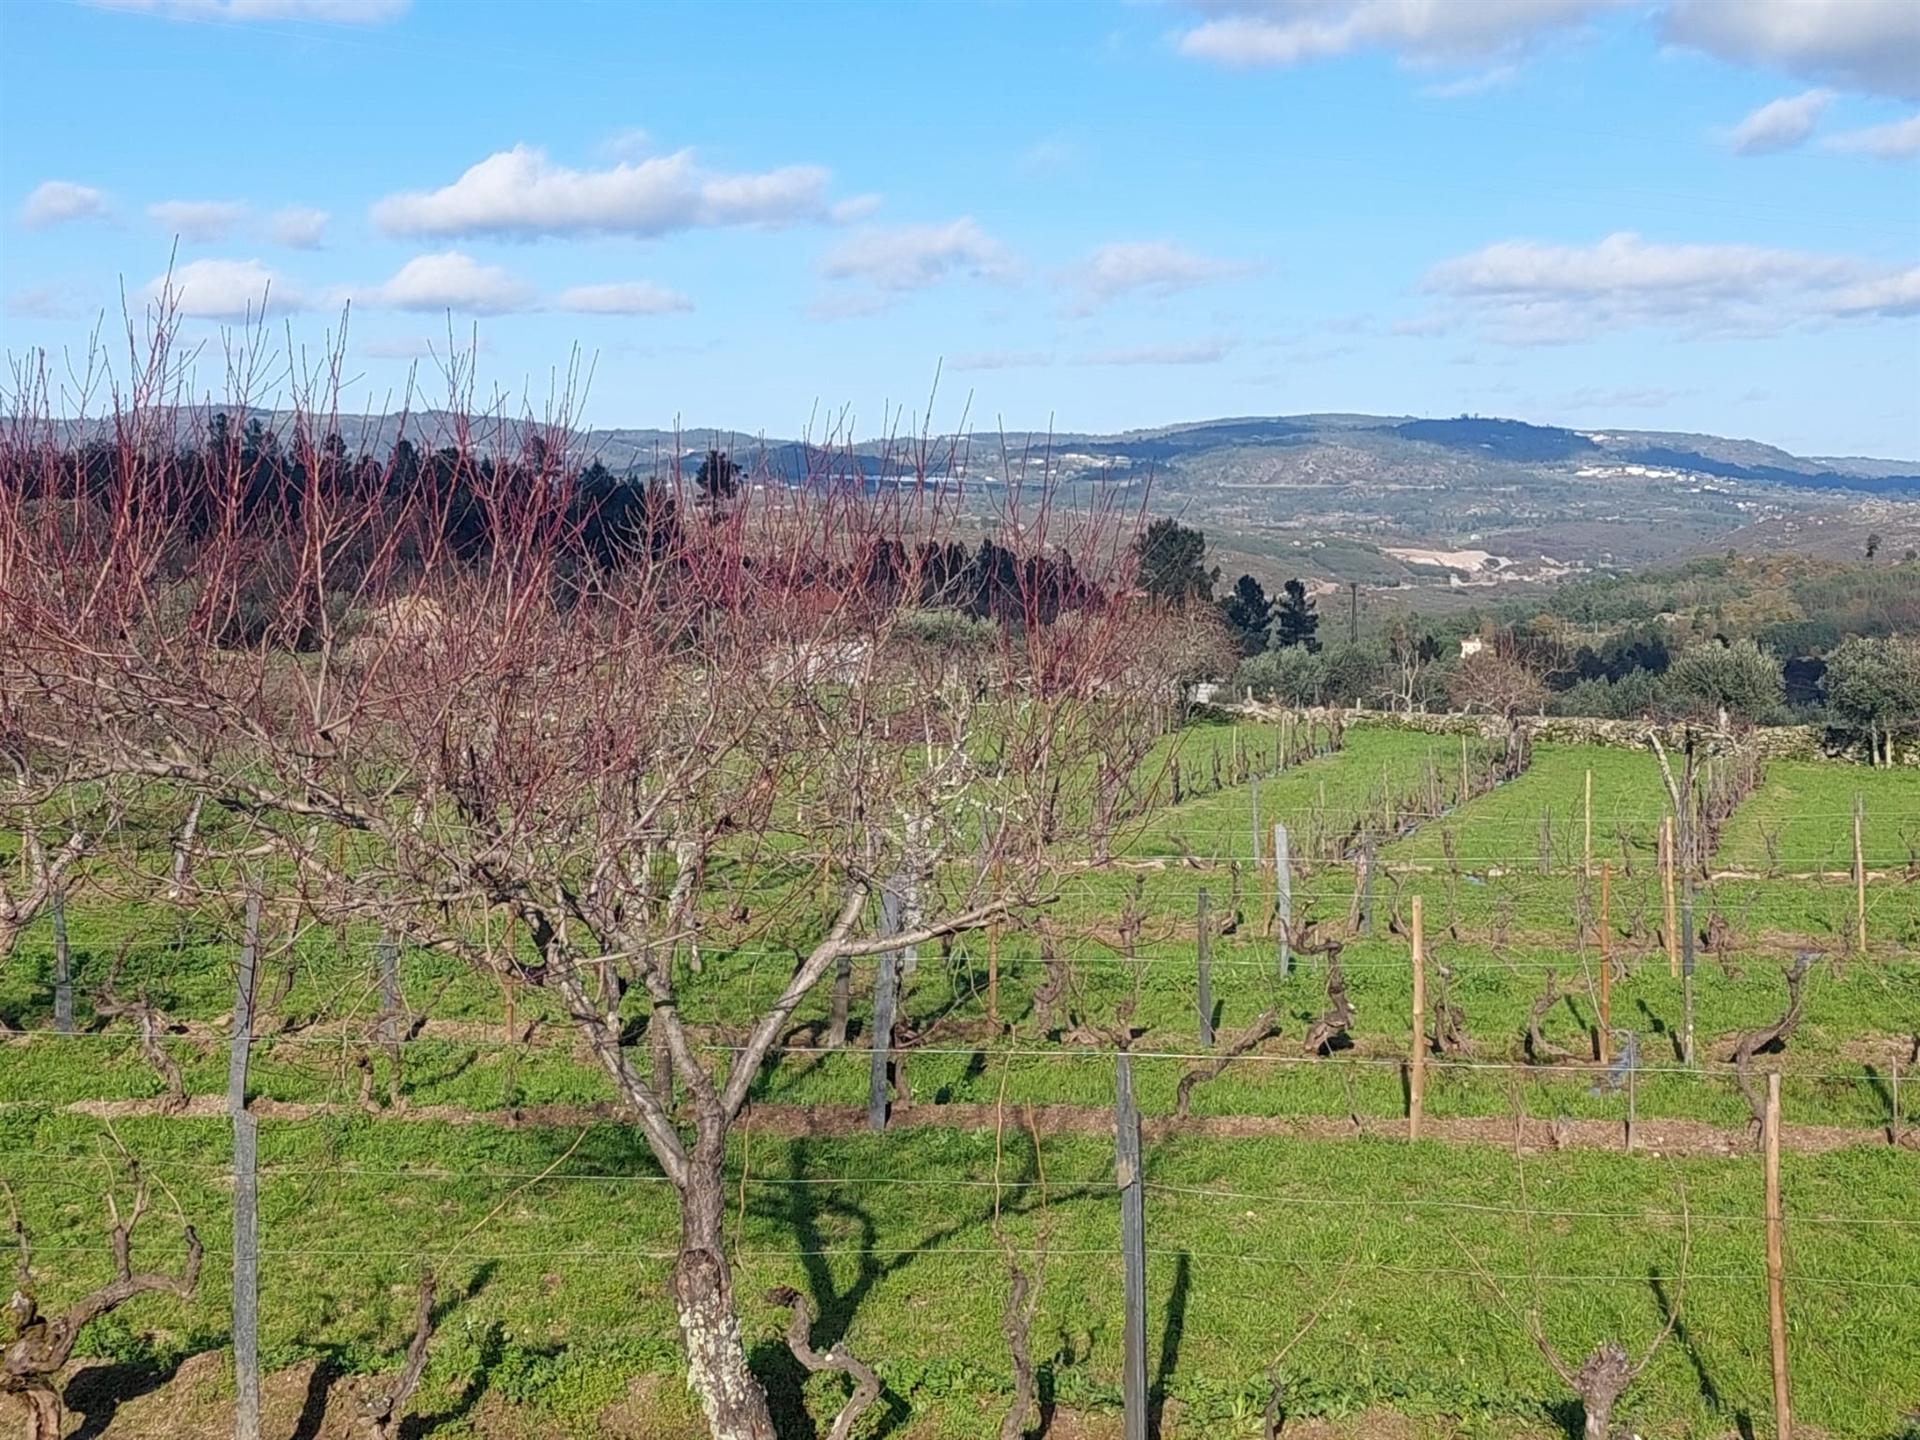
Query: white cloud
(521, 192)
(1001, 360)
(630, 297)
(1052, 155)
(450, 280)
(198, 220)
(1494, 77)
(1151, 266)
(225, 290)
(298, 227)
(1780, 124)
(330, 12)
(1870, 45)
(1899, 140)
(1529, 292)
(1180, 352)
(421, 347)
(1253, 33)
(38, 302)
(54, 202)
(899, 258)
(1623, 397)
(1897, 294)
(854, 207)
(629, 143)
(848, 305)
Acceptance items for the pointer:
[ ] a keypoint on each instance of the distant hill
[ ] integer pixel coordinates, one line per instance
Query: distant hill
(1386, 501)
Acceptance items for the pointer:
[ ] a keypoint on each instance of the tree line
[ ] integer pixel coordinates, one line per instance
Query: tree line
(1708, 641)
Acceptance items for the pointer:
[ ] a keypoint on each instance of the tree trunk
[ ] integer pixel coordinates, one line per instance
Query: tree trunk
(1600, 1382)
(44, 1414)
(734, 1403)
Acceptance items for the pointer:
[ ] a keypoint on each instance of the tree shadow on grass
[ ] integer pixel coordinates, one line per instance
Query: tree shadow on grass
(803, 1208)
(1683, 1337)
(327, 1372)
(97, 1393)
(1657, 1026)
(1170, 1338)
(492, 1351)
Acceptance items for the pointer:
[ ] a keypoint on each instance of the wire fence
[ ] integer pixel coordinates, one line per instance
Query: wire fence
(1544, 878)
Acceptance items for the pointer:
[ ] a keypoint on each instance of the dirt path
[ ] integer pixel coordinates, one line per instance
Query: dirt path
(1658, 1137)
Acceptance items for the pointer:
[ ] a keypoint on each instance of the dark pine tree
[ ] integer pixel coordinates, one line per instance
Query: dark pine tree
(719, 477)
(1173, 562)
(1248, 611)
(1294, 621)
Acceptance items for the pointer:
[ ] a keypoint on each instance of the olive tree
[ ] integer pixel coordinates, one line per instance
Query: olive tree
(1873, 689)
(1729, 683)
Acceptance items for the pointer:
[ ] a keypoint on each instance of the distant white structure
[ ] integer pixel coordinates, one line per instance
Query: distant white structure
(1472, 645)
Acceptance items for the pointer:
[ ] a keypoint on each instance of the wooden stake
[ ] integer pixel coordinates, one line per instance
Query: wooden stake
(993, 975)
(1893, 1130)
(1283, 896)
(62, 963)
(246, 1193)
(1204, 957)
(1417, 1075)
(1586, 833)
(1606, 963)
(886, 994)
(1133, 1251)
(1633, 1105)
(1859, 879)
(1776, 1264)
(1466, 787)
(1666, 890)
(502, 972)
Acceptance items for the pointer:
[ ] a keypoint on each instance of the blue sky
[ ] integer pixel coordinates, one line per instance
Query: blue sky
(1690, 214)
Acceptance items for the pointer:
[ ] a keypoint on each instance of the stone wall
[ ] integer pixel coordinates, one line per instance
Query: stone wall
(1773, 742)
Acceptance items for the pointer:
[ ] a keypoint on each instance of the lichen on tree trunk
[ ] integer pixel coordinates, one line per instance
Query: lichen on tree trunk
(732, 1400)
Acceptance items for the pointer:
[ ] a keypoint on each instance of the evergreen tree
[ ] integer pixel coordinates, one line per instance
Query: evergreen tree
(1294, 621)
(1248, 612)
(1173, 562)
(719, 477)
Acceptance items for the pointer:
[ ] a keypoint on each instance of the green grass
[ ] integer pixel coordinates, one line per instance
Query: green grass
(1805, 808)
(1505, 827)
(1322, 799)
(559, 1294)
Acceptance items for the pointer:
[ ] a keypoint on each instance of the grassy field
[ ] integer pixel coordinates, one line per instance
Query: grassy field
(1801, 818)
(1325, 796)
(559, 1293)
(1292, 1176)
(1543, 813)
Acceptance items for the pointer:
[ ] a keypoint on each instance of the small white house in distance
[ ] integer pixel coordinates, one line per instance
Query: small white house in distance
(1206, 692)
(1472, 645)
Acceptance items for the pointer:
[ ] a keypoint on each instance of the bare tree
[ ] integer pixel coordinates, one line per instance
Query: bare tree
(152, 1023)
(1774, 1036)
(1333, 1022)
(44, 871)
(1541, 1050)
(1609, 1369)
(386, 1409)
(510, 713)
(1262, 1028)
(39, 1346)
(1023, 1285)
(866, 1384)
